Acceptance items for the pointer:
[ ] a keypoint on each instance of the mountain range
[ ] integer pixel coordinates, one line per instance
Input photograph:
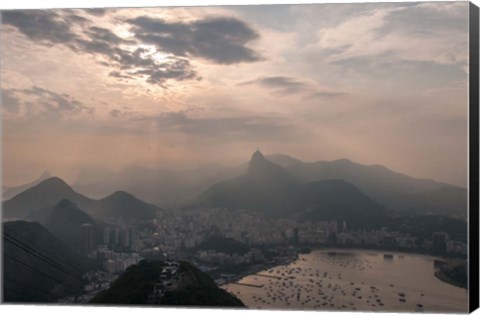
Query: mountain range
(52, 191)
(271, 190)
(394, 190)
(47, 193)
(161, 187)
(389, 188)
(276, 184)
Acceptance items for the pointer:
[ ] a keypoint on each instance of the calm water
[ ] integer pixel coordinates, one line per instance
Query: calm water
(352, 280)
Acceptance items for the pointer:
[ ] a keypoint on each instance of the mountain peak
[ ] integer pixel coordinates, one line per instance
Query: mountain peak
(122, 204)
(262, 169)
(47, 193)
(257, 162)
(257, 155)
(46, 174)
(55, 182)
(13, 191)
(121, 194)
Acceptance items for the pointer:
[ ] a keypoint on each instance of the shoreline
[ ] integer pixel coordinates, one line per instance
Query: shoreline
(378, 250)
(443, 277)
(259, 268)
(423, 295)
(390, 250)
(437, 274)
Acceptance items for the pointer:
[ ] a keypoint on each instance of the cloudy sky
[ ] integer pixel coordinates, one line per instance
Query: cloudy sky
(181, 87)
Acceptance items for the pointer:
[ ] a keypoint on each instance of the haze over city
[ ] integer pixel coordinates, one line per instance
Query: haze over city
(302, 157)
(177, 88)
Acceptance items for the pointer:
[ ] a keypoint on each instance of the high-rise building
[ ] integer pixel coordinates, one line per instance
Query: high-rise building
(106, 235)
(125, 236)
(110, 266)
(133, 236)
(86, 238)
(343, 227)
(296, 237)
(115, 239)
(119, 265)
(439, 240)
(333, 227)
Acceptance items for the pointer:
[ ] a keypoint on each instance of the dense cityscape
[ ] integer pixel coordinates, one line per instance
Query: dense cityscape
(243, 243)
(120, 235)
(305, 157)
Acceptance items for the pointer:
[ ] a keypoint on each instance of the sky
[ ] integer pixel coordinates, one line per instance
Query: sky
(177, 88)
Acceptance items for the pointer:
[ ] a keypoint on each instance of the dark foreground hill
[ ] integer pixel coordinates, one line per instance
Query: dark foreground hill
(195, 288)
(37, 267)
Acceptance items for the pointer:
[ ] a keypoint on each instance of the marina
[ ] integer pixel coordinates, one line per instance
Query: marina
(351, 280)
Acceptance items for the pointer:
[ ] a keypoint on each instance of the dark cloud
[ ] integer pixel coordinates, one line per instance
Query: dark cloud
(44, 26)
(179, 69)
(55, 101)
(48, 27)
(422, 19)
(134, 59)
(408, 73)
(223, 128)
(96, 11)
(326, 95)
(123, 112)
(10, 102)
(105, 35)
(76, 19)
(119, 75)
(115, 113)
(37, 101)
(280, 84)
(222, 40)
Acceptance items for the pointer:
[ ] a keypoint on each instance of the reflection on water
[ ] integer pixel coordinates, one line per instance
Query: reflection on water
(352, 280)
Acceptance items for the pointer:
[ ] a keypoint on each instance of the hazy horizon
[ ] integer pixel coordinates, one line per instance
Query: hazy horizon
(178, 88)
(74, 179)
